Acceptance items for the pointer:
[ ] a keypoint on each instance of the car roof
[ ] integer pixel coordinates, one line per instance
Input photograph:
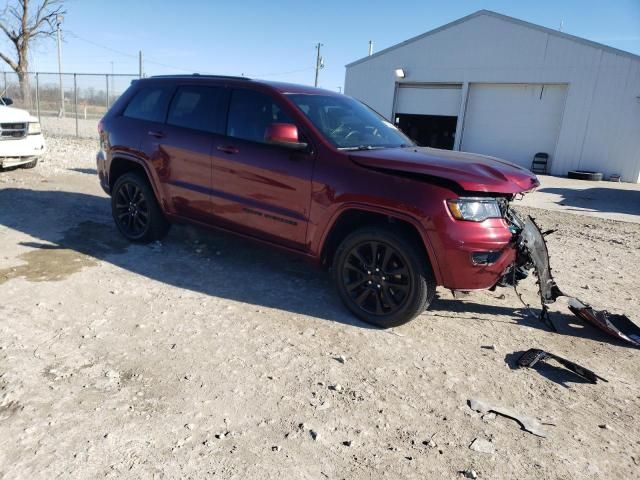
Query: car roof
(281, 87)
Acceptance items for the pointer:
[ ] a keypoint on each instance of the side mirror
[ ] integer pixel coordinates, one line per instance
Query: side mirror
(7, 101)
(285, 135)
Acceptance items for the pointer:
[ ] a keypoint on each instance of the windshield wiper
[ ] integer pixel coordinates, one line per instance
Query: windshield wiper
(363, 147)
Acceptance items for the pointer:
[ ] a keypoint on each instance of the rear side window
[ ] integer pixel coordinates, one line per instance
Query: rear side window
(150, 103)
(251, 112)
(199, 108)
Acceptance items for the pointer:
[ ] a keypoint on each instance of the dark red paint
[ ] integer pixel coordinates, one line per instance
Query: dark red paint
(291, 198)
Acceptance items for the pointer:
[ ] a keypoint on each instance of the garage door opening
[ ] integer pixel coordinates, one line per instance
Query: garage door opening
(437, 131)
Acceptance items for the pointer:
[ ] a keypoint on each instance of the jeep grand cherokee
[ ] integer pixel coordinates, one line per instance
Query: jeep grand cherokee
(316, 173)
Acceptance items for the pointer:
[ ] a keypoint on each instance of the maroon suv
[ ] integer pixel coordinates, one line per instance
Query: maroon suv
(316, 173)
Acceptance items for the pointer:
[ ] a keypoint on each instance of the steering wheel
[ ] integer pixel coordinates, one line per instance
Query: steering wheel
(352, 134)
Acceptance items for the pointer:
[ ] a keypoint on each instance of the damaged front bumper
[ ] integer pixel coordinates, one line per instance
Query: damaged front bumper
(533, 255)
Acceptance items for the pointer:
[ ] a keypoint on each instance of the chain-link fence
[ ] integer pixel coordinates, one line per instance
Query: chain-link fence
(67, 104)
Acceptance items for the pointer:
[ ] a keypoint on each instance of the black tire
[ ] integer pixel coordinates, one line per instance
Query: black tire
(136, 211)
(585, 175)
(31, 164)
(403, 286)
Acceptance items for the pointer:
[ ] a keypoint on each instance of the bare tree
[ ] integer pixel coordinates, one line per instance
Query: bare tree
(24, 22)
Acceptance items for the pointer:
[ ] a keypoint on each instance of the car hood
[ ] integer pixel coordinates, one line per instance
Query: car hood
(11, 114)
(473, 172)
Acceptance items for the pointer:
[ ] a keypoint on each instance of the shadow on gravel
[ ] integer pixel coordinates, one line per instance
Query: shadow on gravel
(609, 200)
(88, 171)
(556, 374)
(74, 230)
(566, 324)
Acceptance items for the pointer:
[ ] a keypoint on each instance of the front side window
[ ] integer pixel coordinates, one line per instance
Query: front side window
(250, 113)
(347, 123)
(199, 108)
(149, 103)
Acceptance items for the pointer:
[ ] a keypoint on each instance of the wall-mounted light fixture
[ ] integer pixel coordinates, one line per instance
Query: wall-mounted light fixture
(400, 73)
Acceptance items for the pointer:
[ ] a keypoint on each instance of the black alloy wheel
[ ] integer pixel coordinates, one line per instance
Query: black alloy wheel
(132, 210)
(135, 209)
(383, 277)
(377, 277)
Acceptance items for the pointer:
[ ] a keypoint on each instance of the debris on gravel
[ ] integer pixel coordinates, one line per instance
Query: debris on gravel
(483, 446)
(72, 362)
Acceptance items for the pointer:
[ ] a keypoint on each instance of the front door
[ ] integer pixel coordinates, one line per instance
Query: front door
(263, 190)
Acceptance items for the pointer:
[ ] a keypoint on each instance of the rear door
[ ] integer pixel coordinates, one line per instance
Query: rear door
(177, 138)
(260, 189)
(196, 117)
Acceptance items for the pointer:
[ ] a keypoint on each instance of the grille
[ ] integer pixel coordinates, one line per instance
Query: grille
(12, 131)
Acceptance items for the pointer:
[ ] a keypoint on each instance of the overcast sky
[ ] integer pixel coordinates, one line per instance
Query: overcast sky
(275, 39)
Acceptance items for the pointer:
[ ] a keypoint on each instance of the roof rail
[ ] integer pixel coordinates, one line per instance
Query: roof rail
(229, 77)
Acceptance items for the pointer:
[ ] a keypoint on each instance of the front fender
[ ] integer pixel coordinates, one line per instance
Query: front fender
(318, 247)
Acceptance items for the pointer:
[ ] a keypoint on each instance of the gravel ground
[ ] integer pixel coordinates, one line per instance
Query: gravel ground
(87, 128)
(206, 355)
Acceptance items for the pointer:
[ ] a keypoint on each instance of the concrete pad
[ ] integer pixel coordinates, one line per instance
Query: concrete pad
(611, 200)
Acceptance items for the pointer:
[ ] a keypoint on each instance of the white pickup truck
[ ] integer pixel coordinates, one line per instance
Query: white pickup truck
(21, 140)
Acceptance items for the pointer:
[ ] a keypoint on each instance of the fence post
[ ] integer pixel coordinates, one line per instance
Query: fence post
(107, 80)
(38, 97)
(75, 100)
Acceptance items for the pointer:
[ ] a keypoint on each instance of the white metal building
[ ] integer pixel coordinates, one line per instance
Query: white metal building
(492, 84)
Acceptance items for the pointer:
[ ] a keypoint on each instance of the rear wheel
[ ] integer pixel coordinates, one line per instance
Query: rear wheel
(383, 277)
(136, 211)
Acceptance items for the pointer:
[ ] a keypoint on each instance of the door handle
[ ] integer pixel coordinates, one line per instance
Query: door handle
(228, 149)
(155, 133)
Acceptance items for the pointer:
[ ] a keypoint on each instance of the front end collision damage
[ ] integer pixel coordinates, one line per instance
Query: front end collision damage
(534, 356)
(619, 326)
(532, 254)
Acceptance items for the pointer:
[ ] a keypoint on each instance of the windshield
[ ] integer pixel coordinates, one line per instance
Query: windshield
(349, 124)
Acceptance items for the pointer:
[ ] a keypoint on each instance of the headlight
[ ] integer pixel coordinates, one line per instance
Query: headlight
(34, 128)
(474, 209)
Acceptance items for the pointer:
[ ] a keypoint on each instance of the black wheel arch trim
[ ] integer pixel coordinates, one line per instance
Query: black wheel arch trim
(366, 208)
(127, 157)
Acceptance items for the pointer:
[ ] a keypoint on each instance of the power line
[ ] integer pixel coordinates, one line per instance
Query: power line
(277, 74)
(173, 67)
(99, 45)
(130, 55)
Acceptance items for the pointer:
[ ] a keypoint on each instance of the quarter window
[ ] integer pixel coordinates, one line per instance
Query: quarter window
(251, 112)
(199, 108)
(150, 103)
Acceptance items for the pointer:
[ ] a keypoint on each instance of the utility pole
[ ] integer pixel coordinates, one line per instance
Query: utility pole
(112, 79)
(59, 19)
(140, 64)
(319, 63)
(370, 47)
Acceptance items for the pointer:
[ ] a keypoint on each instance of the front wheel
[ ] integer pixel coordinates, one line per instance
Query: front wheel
(136, 211)
(383, 277)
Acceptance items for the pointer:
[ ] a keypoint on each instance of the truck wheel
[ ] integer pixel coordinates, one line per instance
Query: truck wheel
(382, 277)
(136, 211)
(31, 164)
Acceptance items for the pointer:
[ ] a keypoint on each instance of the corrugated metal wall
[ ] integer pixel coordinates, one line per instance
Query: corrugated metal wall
(601, 123)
